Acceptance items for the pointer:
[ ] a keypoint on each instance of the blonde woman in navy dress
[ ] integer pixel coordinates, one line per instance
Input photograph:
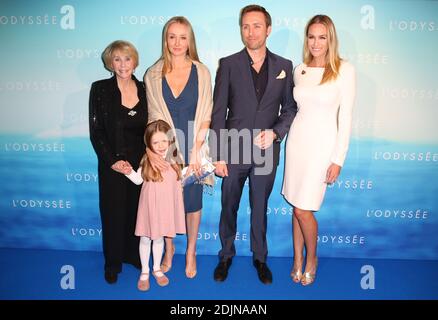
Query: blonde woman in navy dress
(178, 90)
(318, 138)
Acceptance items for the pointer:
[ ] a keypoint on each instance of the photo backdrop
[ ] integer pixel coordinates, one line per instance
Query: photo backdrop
(384, 204)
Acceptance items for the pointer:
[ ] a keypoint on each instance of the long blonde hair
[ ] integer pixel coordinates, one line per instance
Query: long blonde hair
(192, 53)
(332, 59)
(148, 173)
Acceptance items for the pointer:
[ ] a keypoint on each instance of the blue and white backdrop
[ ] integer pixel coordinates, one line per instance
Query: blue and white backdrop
(383, 206)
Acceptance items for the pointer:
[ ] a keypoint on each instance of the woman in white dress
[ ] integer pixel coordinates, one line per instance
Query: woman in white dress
(319, 136)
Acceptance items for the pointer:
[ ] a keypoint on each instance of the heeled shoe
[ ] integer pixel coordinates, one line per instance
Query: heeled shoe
(297, 272)
(143, 285)
(191, 273)
(165, 267)
(309, 277)
(296, 275)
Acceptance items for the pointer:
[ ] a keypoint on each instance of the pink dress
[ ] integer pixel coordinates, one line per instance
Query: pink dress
(161, 208)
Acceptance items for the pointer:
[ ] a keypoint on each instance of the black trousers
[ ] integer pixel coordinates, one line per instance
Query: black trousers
(118, 201)
(260, 187)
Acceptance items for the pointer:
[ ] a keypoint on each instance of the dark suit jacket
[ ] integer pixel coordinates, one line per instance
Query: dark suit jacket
(236, 106)
(106, 131)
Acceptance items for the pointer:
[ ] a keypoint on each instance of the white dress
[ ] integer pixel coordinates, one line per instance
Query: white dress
(319, 134)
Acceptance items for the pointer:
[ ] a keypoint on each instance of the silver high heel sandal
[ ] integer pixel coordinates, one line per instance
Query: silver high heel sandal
(297, 273)
(309, 277)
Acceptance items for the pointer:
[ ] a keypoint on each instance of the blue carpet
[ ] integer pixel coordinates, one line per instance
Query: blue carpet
(36, 274)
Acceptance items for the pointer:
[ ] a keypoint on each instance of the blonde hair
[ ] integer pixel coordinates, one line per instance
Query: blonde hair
(148, 173)
(119, 45)
(332, 59)
(192, 53)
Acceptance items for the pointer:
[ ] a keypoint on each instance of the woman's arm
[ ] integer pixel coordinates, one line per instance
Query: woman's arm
(348, 93)
(98, 135)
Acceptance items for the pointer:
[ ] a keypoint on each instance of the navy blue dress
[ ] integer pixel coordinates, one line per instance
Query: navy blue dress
(183, 109)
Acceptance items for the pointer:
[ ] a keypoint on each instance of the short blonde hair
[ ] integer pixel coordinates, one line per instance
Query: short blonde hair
(192, 53)
(332, 59)
(122, 46)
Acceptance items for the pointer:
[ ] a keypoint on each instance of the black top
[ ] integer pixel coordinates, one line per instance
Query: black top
(259, 79)
(116, 132)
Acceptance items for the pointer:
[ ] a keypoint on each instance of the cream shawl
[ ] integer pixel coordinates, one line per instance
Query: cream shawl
(157, 108)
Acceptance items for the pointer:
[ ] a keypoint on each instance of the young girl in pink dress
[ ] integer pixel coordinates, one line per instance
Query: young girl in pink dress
(160, 208)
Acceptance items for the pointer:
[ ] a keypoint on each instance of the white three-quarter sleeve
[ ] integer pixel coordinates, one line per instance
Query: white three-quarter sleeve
(135, 176)
(347, 78)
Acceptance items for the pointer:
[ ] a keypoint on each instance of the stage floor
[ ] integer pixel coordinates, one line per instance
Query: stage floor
(39, 274)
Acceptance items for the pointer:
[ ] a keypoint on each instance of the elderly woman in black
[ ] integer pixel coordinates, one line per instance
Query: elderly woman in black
(118, 118)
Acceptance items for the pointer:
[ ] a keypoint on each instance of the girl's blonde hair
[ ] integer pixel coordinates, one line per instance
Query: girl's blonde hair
(332, 59)
(148, 173)
(192, 53)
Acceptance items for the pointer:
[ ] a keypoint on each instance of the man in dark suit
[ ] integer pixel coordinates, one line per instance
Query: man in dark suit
(248, 126)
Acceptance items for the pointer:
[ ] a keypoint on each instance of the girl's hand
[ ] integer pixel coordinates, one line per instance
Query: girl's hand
(333, 172)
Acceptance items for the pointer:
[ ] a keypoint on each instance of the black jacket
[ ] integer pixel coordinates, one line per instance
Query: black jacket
(106, 131)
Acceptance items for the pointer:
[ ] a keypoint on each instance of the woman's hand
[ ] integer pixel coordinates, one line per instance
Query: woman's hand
(194, 163)
(121, 166)
(157, 161)
(333, 172)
